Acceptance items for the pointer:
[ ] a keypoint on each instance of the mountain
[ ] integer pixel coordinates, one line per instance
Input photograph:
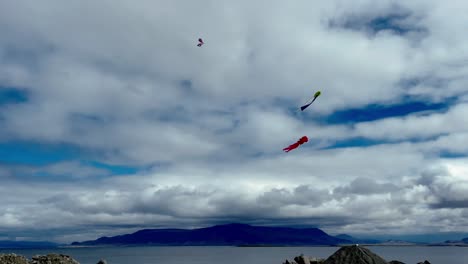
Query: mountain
(462, 242)
(27, 244)
(355, 240)
(230, 234)
(347, 237)
(397, 242)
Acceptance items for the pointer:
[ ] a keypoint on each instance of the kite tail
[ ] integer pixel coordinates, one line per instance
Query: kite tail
(291, 147)
(307, 105)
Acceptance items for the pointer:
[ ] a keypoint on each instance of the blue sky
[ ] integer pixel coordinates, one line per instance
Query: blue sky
(12, 96)
(104, 133)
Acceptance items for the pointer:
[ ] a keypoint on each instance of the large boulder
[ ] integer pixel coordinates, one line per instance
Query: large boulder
(53, 259)
(395, 262)
(354, 255)
(304, 260)
(317, 261)
(12, 259)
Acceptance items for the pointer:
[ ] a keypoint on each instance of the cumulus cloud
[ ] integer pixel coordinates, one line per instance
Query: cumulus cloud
(447, 189)
(416, 126)
(128, 86)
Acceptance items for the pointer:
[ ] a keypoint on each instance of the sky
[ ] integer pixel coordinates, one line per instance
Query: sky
(113, 120)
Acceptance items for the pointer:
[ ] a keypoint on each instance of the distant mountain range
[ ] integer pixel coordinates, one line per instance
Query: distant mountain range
(246, 235)
(358, 240)
(27, 244)
(230, 234)
(464, 241)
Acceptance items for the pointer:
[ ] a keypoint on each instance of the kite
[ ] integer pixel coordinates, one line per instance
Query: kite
(200, 42)
(301, 141)
(317, 94)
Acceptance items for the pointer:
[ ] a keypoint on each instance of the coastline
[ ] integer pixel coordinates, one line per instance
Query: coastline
(337, 255)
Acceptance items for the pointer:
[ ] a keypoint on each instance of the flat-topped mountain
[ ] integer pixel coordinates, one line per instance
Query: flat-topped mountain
(230, 234)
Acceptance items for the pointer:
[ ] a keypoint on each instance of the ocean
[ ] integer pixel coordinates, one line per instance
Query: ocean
(242, 255)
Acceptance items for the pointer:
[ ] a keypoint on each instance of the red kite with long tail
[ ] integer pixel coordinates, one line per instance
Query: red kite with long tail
(301, 141)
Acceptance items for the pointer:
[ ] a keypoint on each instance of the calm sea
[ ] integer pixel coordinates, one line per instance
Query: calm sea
(241, 255)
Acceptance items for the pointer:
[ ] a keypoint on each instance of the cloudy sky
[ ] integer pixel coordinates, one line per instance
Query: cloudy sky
(113, 120)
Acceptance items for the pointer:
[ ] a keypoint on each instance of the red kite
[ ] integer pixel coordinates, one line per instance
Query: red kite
(301, 141)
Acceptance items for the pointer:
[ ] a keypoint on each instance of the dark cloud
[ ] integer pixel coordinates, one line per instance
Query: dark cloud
(453, 204)
(301, 195)
(445, 190)
(429, 176)
(400, 22)
(365, 186)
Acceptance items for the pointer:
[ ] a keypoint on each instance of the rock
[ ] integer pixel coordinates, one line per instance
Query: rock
(53, 259)
(102, 261)
(425, 262)
(302, 260)
(395, 262)
(316, 260)
(12, 259)
(354, 255)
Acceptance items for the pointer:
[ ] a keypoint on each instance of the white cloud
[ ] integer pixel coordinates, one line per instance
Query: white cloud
(127, 83)
(416, 126)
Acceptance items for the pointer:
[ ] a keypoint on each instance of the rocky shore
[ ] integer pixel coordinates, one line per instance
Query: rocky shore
(348, 255)
(47, 259)
(345, 255)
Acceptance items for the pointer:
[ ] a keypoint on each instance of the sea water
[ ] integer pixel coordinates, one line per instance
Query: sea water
(242, 255)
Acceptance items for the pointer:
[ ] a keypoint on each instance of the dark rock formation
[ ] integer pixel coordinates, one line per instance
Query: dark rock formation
(53, 259)
(345, 255)
(302, 259)
(12, 259)
(305, 260)
(102, 261)
(354, 255)
(49, 259)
